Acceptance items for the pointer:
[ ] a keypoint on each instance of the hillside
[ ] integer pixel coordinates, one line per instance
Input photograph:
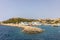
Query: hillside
(18, 20)
(50, 21)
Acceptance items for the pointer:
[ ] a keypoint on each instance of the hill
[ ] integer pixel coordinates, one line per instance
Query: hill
(18, 20)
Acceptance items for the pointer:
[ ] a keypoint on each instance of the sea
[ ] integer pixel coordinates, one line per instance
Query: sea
(15, 33)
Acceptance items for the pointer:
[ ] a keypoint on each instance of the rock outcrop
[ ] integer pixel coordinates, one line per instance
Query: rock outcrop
(26, 29)
(32, 30)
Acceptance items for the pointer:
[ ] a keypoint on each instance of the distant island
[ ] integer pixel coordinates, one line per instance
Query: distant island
(27, 24)
(21, 23)
(47, 21)
(18, 20)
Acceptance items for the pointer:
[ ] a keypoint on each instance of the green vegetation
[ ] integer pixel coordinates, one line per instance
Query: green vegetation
(49, 21)
(43, 21)
(18, 20)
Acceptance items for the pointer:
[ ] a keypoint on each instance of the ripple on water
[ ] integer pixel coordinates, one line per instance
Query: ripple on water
(14, 33)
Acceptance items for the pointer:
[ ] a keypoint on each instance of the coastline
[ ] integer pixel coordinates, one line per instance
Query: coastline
(26, 29)
(21, 25)
(52, 24)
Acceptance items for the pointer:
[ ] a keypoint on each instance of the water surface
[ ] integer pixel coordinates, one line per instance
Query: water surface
(14, 33)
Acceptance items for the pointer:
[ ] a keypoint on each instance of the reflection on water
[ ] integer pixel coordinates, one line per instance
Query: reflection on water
(14, 33)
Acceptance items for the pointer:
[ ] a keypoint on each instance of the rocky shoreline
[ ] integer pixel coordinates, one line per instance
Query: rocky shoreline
(52, 24)
(26, 29)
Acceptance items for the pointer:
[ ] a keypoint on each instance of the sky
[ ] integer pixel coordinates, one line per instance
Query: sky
(29, 9)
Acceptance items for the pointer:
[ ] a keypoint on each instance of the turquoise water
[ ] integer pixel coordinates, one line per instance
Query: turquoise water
(14, 33)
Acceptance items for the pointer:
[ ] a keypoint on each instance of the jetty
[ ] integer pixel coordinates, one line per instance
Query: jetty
(26, 29)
